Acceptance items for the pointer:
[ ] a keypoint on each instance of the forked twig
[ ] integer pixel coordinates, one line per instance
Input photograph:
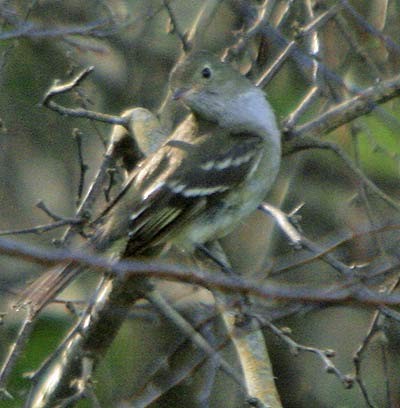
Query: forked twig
(324, 355)
(62, 88)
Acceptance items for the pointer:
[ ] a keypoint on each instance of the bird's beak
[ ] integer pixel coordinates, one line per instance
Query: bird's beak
(179, 93)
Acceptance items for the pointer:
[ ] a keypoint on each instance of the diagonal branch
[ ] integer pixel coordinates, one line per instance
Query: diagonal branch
(342, 113)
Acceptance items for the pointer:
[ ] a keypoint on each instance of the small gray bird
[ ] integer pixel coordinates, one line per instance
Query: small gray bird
(209, 174)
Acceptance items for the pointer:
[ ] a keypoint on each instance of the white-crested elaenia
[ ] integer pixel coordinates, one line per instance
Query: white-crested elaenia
(210, 173)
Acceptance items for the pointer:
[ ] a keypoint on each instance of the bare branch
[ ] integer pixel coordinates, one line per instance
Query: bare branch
(30, 30)
(361, 104)
(370, 28)
(332, 51)
(13, 354)
(342, 292)
(187, 329)
(306, 102)
(58, 89)
(77, 134)
(246, 336)
(324, 355)
(283, 223)
(203, 19)
(271, 71)
(320, 20)
(122, 146)
(374, 328)
(307, 142)
(244, 37)
(176, 27)
(297, 240)
(40, 229)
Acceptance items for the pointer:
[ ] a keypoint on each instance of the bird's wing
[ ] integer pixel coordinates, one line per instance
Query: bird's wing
(176, 183)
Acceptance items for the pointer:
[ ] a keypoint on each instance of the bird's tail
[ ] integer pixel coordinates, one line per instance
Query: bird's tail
(45, 288)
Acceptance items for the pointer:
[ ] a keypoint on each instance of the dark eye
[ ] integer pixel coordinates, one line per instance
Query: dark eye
(206, 72)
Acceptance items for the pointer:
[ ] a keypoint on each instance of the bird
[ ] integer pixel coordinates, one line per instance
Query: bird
(208, 175)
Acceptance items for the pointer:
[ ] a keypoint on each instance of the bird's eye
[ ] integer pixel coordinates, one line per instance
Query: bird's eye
(206, 72)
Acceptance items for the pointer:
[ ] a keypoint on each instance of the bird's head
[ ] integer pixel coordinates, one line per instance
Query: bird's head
(207, 86)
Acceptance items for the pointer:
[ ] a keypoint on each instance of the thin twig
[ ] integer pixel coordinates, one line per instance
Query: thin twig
(244, 38)
(305, 103)
(284, 14)
(202, 22)
(13, 354)
(307, 142)
(110, 184)
(195, 39)
(118, 136)
(348, 33)
(388, 312)
(272, 70)
(320, 20)
(300, 240)
(324, 355)
(39, 229)
(85, 102)
(179, 370)
(371, 216)
(357, 359)
(187, 329)
(369, 28)
(42, 206)
(342, 239)
(176, 29)
(304, 61)
(283, 222)
(385, 364)
(59, 89)
(77, 134)
(374, 328)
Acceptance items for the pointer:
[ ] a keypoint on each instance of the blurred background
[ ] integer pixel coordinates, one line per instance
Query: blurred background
(133, 45)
